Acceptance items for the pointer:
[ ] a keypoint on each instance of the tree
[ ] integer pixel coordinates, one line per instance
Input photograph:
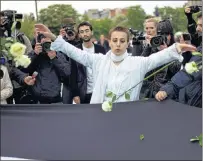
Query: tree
(177, 16)
(27, 25)
(101, 26)
(54, 14)
(120, 20)
(136, 16)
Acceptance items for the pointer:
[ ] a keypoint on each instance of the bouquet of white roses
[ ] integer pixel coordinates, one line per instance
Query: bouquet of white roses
(13, 50)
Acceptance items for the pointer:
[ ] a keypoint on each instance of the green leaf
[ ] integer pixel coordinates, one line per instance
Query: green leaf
(109, 94)
(141, 137)
(196, 53)
(114, 98)
(110, 103)
(127, 96)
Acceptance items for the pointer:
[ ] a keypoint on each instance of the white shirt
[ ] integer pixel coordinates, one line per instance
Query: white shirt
(89, 71)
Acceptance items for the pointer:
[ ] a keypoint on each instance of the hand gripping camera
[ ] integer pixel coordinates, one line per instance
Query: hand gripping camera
(195, 9)
(69, 29)
(45, 45)
(137, 36)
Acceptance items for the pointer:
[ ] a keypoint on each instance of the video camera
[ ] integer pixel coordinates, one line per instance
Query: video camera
(45, 45)
(69, 29)
(195, 9)
(137, 36)
(158, 40)
(186, 37)
(7, 19)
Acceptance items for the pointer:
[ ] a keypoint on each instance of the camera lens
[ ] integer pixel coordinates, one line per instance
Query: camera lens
(70, 33)
(46, 46)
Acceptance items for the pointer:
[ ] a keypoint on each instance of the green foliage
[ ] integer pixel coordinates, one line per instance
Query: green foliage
(136, 16)
(177, 16)
(101, 26)
(54, 14)
(27, 25)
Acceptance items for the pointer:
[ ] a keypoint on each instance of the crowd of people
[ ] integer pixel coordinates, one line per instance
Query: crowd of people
(73, 67)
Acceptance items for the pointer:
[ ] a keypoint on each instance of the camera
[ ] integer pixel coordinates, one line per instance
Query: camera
(186, 37)
(195, 9)
(45, 45)
(8, 17)
(69, 30)
(158, 40)
(137, 36)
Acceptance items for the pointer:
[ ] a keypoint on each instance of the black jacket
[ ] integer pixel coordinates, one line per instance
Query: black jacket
(152, 85)
(191, 26)
(184, 87)
(82, 73)
(50, 75)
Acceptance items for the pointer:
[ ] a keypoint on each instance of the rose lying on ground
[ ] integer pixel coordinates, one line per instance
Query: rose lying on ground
(107, 106)
(191, 67)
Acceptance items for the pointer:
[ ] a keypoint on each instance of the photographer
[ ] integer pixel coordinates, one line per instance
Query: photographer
(194, 28)
(8, 20)
(70, 91)
(52, 69)
(164, 39)
(140, 41)
(184, 38)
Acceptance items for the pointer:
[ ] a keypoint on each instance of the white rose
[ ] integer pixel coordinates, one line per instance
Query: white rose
(23, 61)
(191, 67)
(106, 106)
(17, 49)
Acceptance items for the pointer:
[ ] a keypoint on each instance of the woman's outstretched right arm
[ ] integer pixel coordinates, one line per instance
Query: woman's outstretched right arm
(71, 51)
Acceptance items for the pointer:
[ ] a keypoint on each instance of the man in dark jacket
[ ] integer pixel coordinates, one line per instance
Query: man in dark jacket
(70, 91)
(85, 79)
(52, 69)
(183, 87)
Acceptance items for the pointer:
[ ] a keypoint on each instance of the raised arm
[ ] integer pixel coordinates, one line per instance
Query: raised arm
(165, 56)
(71, 51)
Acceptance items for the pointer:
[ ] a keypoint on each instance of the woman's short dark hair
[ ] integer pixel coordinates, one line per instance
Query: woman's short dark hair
(84, 23)
(120, 29)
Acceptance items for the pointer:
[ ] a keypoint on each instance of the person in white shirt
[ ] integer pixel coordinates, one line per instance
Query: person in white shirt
(117, 71)
(6, 86)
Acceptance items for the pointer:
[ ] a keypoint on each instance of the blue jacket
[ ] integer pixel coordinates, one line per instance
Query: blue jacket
(181, 86)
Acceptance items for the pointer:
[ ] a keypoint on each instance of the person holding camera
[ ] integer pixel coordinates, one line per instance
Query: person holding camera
(17, 75)
(85, 81)
(70, 91)
(6, 85)
(141, 43)
(184, 38)
(162, 40)
(195, 29)
(52, 69)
